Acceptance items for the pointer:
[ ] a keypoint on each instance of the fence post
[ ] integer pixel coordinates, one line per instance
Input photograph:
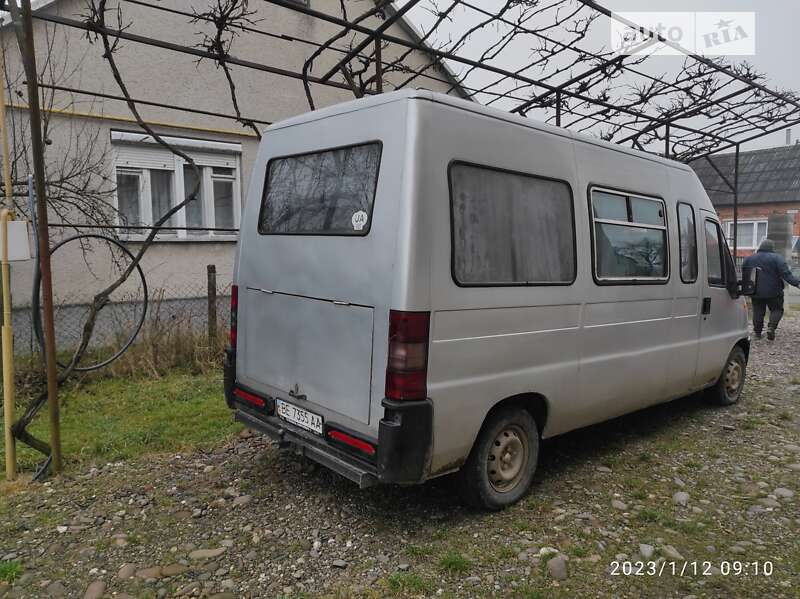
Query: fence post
(211, 271)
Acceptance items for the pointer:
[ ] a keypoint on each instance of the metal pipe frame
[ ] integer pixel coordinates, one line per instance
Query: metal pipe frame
(149, 41)
(380, 35)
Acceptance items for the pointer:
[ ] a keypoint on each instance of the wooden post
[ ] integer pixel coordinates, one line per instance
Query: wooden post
(211, 272)
(7, 181)
(23, 23)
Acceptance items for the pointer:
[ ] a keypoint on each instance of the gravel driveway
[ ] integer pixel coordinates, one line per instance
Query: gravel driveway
(691, 489)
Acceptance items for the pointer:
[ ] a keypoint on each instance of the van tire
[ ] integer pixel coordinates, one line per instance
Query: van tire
(511, 430)
(728, 389)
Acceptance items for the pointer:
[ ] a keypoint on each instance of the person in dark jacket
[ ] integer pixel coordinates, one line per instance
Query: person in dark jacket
(772, 272)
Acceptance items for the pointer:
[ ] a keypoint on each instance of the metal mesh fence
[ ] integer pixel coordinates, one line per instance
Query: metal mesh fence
(197, 308)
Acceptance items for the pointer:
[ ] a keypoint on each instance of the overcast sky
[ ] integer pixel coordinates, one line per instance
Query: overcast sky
(777, 40)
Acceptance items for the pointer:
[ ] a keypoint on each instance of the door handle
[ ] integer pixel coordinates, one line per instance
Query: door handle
(706, 305)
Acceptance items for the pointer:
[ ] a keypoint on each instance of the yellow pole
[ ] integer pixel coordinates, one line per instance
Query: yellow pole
(8, 352)
(7, 335)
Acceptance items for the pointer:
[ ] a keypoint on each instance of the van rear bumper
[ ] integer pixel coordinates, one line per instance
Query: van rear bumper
(403, 448)
(335, 460)
(403, 451)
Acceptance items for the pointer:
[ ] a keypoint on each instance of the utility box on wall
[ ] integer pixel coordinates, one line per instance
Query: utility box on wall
(19, 248)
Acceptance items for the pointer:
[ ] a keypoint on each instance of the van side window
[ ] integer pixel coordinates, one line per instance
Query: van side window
(510, 228)
(630, 237)
(329, 192)
(714, 254)
(688, 242)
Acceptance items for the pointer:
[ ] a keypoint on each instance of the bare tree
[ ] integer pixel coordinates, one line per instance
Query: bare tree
(228, 18)
(567, 80)
(79, 188)
(98, 31)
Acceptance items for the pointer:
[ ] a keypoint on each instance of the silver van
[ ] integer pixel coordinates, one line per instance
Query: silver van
(425, 285)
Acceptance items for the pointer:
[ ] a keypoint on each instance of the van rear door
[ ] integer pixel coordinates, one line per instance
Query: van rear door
(315, 350)
(309, 280)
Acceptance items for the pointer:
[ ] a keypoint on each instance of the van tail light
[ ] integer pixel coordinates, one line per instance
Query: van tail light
(407, 368)
(255, 400)
(234, 314)
(353, 442)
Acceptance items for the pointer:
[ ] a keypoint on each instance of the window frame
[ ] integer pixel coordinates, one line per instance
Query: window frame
(179, 219)
(611, 281)
(457, 162)
(143, 176)
(364, 233)
(680, 246)
(723, 262)
(728, 231)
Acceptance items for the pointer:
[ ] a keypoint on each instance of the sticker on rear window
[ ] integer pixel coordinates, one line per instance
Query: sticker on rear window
(359, 220)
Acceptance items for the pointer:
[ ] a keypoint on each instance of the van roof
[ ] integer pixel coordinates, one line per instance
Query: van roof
(466, 105)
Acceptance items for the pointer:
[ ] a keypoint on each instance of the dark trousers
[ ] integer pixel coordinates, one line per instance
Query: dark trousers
(760, 305)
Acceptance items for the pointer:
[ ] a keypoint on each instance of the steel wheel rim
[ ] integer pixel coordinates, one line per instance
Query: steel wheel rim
(507, 459)
(733, 378)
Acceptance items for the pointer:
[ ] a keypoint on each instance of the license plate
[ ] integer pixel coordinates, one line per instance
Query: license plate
(298, 416)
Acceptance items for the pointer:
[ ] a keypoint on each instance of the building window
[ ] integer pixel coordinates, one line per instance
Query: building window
(151, 180)
(750, 233)
(630, 237)
(510, 228)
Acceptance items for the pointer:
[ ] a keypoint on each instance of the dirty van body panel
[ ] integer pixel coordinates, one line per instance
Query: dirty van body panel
(313, 307)
(626, 343)
(684, 327)
(723, 320)
(492, 341)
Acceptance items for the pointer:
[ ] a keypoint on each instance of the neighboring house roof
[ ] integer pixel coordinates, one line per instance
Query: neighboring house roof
(765, 176)
(407, 26)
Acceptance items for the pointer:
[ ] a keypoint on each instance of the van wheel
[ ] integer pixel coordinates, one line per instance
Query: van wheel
(500, 467)
(728, 388)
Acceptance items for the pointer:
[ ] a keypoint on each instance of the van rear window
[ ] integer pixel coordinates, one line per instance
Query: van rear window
(330, 192)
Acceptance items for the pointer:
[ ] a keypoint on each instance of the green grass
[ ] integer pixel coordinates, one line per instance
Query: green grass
(506, 553)
(10, 571)
(408, 583)
(527, 591)
(419, 550)
(113, 419)
(648, 515)
(454, 563)
(579, 552)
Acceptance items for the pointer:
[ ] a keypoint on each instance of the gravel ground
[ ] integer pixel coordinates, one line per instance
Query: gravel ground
(682, 483)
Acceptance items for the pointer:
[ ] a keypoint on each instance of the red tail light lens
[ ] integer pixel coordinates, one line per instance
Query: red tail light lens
(234, 313)
(407, 367)
(250, 398)
(354, 442)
